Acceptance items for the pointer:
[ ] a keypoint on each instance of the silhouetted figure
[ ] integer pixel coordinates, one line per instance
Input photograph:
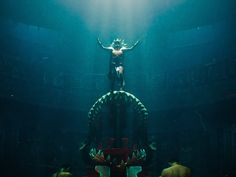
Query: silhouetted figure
(64, 171)
(116, 68)
(176, 170)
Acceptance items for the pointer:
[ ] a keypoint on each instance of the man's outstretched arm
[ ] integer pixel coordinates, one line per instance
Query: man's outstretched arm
(132, 47)
(100, 43)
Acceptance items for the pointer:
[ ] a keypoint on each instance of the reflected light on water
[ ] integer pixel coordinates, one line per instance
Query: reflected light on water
(125, 17)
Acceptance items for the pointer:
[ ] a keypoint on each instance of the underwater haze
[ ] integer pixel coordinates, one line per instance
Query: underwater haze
(53, 70)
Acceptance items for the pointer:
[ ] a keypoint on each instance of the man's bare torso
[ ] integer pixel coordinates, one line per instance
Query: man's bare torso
(176, 171)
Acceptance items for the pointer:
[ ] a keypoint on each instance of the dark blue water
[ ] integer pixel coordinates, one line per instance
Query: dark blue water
(52, 71)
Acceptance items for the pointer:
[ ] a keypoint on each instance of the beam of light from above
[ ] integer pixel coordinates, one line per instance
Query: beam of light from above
(126, 18)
